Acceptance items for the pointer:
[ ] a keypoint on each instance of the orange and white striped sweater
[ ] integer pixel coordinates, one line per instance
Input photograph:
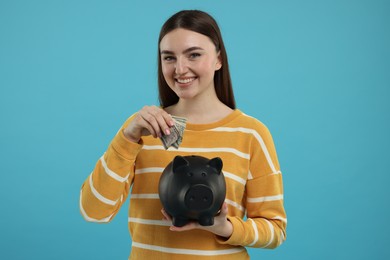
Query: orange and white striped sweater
(254, 190)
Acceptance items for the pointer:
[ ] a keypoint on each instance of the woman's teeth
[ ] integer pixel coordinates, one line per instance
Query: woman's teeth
(184, 81)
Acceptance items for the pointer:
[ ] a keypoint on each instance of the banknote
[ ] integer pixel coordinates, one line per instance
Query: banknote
(175, 137)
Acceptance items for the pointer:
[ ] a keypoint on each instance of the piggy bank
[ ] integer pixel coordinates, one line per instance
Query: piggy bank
(192, 188)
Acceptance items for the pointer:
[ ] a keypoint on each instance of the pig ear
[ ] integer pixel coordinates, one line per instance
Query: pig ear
(178, 162)
(216, 163)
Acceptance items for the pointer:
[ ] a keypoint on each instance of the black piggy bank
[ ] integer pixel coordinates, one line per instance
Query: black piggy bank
(192, 188)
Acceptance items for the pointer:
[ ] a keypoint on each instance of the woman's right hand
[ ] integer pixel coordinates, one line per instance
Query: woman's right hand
(150, 120)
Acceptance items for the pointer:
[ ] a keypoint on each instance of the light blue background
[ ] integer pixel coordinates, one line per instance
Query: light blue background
(317, 73)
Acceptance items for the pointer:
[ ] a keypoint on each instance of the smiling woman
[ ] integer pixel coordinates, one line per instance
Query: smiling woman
(194, 83)
(204, 25)
(189, 61)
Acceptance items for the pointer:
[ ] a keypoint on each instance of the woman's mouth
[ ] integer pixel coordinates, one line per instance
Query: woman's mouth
(185, 80)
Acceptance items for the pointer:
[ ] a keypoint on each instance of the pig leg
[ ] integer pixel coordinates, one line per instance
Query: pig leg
(179, 221)
(206, 220)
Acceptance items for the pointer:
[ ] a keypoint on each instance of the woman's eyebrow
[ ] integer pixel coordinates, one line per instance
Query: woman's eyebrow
(185, 51)
(193, 49)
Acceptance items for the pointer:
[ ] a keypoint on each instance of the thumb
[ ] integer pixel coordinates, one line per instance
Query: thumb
(224, 210)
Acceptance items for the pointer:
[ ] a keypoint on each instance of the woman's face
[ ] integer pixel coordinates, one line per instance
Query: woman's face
(189, 61)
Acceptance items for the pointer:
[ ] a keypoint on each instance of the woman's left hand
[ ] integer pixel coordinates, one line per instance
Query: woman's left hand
(222, 226)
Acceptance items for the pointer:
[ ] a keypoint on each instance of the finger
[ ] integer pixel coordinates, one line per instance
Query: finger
(141, 123)
(151, 124)
(163, 124)
(147, 120)
(168, 119)
(164, 120)
(166, 215)
(149, 129)
(159, 119)
(189, 226)
(222, 214)
(224, 210)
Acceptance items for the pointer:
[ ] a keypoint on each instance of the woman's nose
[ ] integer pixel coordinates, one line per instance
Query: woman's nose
(181, 66)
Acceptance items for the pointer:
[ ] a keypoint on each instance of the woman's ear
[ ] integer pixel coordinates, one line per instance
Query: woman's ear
(218, 65)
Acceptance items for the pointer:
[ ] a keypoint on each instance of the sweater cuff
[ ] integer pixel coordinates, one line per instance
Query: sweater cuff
(126, 148)
(236, 237)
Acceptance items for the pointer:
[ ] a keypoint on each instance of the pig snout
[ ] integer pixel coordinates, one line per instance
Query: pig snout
(199, 197)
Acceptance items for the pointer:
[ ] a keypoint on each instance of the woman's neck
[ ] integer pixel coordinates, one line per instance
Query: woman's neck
(200, 111)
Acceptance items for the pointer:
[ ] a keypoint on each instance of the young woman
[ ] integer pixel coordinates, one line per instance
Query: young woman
(194, 82)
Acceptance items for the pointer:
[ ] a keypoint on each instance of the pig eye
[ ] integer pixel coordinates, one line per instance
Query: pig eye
(204, 174)
(190, 174)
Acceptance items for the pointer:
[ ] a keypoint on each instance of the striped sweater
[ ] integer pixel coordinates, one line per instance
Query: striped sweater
(254, 190)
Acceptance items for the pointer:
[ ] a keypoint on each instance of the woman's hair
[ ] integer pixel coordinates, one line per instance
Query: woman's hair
(203, 23)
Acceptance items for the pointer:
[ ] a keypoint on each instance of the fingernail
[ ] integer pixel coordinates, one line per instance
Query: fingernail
(167, 132)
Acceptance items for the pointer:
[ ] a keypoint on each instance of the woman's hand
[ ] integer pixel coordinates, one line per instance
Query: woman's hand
(150, 120)
(222, 226)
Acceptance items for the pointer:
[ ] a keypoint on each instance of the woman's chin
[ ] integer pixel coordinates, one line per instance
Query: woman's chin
(185, 93)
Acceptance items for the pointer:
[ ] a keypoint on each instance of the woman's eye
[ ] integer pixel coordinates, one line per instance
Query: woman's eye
(194, 55)
(168, 58)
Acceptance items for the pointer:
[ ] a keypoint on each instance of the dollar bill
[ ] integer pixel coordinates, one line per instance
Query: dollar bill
(175, 137)
(169, 140)
(180, 126)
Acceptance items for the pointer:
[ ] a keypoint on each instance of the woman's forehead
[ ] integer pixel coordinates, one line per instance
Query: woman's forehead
(181, 39)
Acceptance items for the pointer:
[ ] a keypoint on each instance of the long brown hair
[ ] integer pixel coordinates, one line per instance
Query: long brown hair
(203, 23)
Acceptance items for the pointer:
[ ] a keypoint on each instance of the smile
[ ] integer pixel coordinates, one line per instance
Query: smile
(185, 81)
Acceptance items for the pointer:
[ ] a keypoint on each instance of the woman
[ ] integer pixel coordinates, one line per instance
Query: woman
(194, 83)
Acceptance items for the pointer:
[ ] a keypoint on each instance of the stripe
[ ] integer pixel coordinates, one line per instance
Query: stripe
(284, 220)
(111, 173)
(235, 204)
(256, 233)
(200, 150)
(250, 176)
(154, 147)
(234, 177)
(98, 195)
(149, 170)
(150, 222)
(188, 251)
(272, 230)
(266, 198)
(87, 218)
(282, 238)
(145, 196)
(256, 135)
(275, 173)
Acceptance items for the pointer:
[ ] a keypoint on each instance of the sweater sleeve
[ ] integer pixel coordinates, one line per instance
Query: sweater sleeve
(106, 188)
(265, 225)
